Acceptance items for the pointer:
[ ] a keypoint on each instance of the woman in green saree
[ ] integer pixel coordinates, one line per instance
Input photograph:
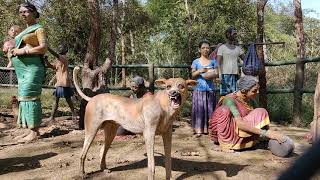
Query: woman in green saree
(30, 46)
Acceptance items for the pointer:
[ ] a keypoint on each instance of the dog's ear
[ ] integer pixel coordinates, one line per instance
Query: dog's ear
(161, 83)
(191, 82)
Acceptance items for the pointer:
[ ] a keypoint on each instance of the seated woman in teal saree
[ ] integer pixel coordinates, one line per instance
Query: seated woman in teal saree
(29, 67)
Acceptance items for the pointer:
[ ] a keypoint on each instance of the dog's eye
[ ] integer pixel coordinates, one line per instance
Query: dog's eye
(181, 86)
(169, 86)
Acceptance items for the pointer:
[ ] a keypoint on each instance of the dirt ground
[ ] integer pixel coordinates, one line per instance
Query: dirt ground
(56, 155)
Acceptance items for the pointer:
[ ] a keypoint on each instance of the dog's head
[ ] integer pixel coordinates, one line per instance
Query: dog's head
(177, 90)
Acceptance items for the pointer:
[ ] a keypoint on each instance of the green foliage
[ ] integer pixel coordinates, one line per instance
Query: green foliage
(209, 20)
(307, 108)
(280, 108)
(8, 16)
(159, 32)
(279, 27)
(65, 22)
(312, 31)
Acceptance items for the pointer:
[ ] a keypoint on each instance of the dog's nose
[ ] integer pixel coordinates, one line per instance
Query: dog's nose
(173, 92)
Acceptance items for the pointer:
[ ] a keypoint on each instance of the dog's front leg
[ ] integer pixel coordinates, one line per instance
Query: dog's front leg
(149, 135)
(167, 141)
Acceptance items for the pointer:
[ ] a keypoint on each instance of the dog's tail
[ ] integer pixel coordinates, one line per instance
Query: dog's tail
(75, 81)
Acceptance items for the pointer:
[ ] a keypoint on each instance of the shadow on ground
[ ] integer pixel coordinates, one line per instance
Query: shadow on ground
(55, 132)
(188, 167)
(18, 164)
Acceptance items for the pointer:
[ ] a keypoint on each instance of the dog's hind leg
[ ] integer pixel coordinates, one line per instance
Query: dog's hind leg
(90, 133)
(167, 142)
(110, 131)
(149, 135)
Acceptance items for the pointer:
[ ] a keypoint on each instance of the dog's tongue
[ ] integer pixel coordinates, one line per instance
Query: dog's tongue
(174, 101)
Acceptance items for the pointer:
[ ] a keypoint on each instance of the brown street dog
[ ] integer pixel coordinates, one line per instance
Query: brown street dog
(151, 115)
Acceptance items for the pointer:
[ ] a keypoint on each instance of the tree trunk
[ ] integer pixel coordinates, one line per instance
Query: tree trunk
(123, 60)
(113, 34)
(299, 79)
(122, 43)
(95, 34)
(89, 74)
(93, 77)
(316, 110)
(260, 37)
(190, 22)
(133, 50)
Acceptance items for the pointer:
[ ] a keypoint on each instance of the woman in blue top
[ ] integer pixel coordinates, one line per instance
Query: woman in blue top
(203, 98)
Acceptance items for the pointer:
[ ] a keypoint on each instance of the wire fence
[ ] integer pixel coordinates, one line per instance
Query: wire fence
(280, 82)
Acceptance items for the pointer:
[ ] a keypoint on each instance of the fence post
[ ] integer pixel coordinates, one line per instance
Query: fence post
(151, 77)
(299, 78)
(260, 36)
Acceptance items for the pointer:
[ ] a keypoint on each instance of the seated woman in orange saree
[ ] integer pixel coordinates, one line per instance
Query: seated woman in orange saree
(235, 124)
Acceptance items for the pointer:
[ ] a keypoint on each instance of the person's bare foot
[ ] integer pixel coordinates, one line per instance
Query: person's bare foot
(17, 131)
(25, 132)
(30, 137)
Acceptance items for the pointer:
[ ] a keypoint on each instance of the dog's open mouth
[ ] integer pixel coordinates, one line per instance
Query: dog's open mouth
(175, 100)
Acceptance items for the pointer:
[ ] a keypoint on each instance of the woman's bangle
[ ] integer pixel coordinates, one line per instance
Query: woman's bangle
(263, 133)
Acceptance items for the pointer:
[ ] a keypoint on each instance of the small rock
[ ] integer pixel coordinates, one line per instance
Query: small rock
(64, 165)
(123, 161)
(77, 132)
(195, 153)
(89, 159)
(192, 153)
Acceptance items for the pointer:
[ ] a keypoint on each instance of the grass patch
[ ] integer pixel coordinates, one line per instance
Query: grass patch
(47, 100)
